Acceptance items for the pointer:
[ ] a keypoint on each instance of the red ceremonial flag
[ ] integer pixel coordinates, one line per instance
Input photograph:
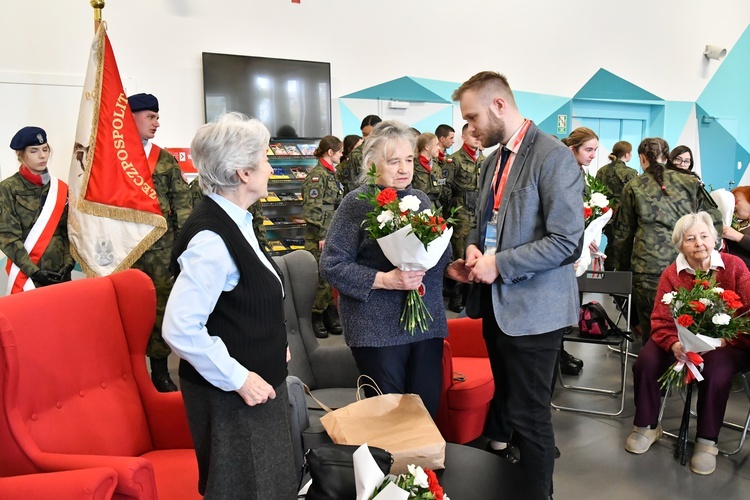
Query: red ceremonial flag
(113, 214)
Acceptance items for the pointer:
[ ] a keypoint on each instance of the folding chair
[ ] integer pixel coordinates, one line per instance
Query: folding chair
(743, 428)
(613, 283)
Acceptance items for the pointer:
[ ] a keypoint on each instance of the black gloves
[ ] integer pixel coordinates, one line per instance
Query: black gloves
(45, 278)
(65, 272)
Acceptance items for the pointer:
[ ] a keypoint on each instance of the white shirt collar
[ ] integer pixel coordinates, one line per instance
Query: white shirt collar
(240, 217)
(716, 263)
(146, 146)
(512, 139)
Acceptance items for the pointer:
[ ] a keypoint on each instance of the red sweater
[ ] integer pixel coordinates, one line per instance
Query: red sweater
(735, 276)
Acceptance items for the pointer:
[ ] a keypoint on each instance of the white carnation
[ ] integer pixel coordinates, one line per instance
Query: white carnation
(717, 290)
(599, 200)
(427, 212)
(721, 319)
(409, 202)
(706, 302)
(384, 218)
(668, 297)
(420, 477)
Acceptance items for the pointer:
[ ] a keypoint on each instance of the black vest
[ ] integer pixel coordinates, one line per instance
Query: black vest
(250, 318)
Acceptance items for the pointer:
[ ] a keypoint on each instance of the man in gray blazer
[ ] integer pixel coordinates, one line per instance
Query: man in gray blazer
(528, 233)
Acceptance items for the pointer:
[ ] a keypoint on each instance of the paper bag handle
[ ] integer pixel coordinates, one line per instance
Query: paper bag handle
(320, 403)
(371, 384)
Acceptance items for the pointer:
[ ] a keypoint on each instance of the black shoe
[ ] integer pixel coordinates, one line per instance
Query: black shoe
(566, 357)
(160, 376)
(557, 452)
(318, 327)
(506, 453)
(332, 321)
(569, 368)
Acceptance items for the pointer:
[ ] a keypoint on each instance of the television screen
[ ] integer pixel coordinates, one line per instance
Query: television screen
(292, 98)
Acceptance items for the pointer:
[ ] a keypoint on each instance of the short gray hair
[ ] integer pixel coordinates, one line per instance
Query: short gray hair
(689, 221)
(378, 144)
(222, 147)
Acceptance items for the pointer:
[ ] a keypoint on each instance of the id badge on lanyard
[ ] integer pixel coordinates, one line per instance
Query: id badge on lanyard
(490, 235)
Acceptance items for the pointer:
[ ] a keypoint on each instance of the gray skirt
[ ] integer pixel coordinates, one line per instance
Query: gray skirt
(243, 452)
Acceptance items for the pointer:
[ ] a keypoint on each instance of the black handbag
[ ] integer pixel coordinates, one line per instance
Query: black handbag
(331, 469)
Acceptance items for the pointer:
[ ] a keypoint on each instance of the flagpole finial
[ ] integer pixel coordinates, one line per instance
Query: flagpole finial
(98, 5)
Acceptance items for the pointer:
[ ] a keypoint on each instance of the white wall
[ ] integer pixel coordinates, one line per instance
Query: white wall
(546, 47)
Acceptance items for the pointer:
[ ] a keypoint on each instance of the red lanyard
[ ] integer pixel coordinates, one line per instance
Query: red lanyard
(500, 187)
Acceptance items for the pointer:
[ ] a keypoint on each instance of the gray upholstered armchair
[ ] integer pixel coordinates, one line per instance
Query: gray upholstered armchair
(329, 371)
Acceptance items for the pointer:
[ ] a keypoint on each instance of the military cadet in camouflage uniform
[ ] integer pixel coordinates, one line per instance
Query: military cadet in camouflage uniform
(348, 172)
(22, 197)
(650, 206)
(615, 175)
(446, 137)
(428, 177)
(321, 195)
(256, 210)
(176, 204)
(464, 186)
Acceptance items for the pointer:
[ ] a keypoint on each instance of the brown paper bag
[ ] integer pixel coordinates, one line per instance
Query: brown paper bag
(398, 423)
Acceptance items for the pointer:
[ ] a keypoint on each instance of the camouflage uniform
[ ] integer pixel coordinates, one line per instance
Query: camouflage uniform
(321, 194)
(347, 172)
(20, 205)
(642, 232)
(464, 185)
(430, 183)
(176, 204)
(256, 209)
(614, 175)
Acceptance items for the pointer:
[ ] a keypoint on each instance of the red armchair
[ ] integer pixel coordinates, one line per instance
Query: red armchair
(468, 385)
(84, 484)
(76, 393)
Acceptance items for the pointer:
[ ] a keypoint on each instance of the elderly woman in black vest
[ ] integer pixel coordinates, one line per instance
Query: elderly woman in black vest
(225, 319)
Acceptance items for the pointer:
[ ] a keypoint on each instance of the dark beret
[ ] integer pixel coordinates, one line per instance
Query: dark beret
(143, 102)
(28, 136)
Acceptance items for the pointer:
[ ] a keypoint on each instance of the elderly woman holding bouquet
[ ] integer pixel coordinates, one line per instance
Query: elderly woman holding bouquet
(372, 291)
(695, 238)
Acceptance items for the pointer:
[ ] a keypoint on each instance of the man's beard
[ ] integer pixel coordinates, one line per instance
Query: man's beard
(495, 134)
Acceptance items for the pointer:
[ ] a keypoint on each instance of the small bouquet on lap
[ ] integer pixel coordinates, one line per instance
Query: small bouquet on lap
(704, 315)
(596, 213)
(411, 239)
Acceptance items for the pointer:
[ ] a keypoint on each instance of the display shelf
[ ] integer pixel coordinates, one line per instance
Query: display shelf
(291, 160)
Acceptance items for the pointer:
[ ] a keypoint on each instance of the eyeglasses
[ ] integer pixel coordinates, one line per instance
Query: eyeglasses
(683, 161)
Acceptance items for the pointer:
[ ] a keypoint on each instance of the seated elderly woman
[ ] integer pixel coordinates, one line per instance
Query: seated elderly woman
(225, 319)
(372, 291)
(695, 238)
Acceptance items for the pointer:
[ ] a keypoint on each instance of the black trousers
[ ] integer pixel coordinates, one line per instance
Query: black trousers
(523, 368)
(243, 452)
(415, 368)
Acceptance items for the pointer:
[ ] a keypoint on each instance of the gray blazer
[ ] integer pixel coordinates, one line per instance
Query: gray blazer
(540, 235)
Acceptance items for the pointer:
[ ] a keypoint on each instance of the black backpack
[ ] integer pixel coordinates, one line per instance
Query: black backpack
(593, 322)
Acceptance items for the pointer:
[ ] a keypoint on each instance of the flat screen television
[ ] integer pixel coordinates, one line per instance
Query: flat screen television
(292, 98)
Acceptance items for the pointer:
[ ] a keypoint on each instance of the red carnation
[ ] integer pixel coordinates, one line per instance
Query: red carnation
(386, 196)
(587, 212)
(705, 284)
(697, 306)
(728, 295)
(434, 485)
(685, 320)
(605, 210)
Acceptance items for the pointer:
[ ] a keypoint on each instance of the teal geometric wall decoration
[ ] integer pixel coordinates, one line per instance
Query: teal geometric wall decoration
(718, 152)
(439, 87)
(349, 121)
(610, 87)
(727, 95)
(400, 89)
(430, 123)
(538, 107)
(549, 125)
(678, 113)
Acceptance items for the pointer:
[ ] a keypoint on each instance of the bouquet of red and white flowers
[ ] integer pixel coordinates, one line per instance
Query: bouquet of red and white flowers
(411, 239)
(596, 215)
(419, 484)
(704, 314)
